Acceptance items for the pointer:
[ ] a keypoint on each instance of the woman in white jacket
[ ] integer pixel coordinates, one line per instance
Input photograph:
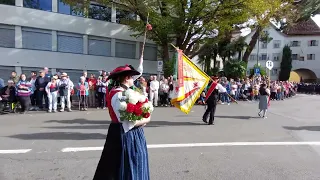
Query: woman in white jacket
(52, 92)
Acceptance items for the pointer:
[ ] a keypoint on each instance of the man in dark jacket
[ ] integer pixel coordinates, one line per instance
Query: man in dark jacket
(40, 84)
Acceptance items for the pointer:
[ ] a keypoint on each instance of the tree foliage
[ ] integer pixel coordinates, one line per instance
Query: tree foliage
(235, 69)
(264, 11)
(307, 8)
(286, 64)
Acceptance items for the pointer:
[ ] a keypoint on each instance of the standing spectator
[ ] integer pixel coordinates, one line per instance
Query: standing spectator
(83, 92)
(92, 90)
(14, 77)
(154, 90)
(65, 87)
(24, 90)
(1, 83)
(52, 91)
(164, 88)
(40, 84)
(46, 72)
(33, 96)
(102, 86)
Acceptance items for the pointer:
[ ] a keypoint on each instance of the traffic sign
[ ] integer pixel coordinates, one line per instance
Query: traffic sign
(269, 64)
(256, 71)
(160, 66)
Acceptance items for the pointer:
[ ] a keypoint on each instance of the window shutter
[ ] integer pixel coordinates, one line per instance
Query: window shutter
(99, 47)
(7, 37)
(36, 39)
(70, 43)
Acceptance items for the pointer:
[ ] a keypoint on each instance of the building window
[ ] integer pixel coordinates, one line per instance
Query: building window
(99, 12)
(276, 56)
(264, 45)
(150, 52)
(123, 16)
(294, 56)
(276, 44)
(99, 46)
(125, 49)
(313, 43)
(274, 71)
(8, 2)
(301, 58)
(37, 39)
(70, 43)
(263, 57)
(295, 43)
(64, 8)
(253, 57)
(311, 56)
(45, 5)
(7, 36)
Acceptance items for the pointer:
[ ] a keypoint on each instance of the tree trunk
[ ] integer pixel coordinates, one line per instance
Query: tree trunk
(251, 44)
(239, 55)
(165, 52)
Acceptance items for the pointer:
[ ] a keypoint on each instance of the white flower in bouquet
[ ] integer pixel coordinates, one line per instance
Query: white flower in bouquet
(142, 98)
(148, 106)
(129, 92)
(123, 106)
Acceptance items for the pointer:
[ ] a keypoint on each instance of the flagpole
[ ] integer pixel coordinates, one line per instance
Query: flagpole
(206, 74)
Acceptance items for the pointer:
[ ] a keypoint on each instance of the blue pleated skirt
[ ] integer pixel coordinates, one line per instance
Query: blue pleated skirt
(125, 155)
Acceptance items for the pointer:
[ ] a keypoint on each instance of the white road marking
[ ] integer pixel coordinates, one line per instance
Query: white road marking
(16, 151)
(155, 146)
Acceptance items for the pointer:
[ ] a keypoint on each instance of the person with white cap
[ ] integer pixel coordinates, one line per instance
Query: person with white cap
(52, 91)
(65, 87)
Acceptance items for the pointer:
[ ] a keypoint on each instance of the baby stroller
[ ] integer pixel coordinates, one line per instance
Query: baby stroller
(83, 105)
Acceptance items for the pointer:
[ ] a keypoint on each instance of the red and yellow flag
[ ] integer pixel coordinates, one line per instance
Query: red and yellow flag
(190, 83)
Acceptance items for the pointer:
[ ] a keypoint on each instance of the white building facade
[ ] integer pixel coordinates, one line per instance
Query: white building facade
(47, 33)
(305, 52)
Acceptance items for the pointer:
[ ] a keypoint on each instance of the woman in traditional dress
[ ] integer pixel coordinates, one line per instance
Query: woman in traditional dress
(264, 99)
(125, 155)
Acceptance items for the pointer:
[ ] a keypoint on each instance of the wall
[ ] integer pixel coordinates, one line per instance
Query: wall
(303, 50)
(20, 17)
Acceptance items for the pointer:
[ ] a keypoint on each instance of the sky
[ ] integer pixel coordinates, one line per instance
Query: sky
(247, 31)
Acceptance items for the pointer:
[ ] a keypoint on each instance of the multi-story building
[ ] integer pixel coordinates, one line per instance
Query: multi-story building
(48, 33)
(303, 40)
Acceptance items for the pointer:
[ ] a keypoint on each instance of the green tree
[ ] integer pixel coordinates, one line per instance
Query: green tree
(307, 8)
(274, 10)
(235, 69)
(286, 64)
(188, 23)
(262, 70)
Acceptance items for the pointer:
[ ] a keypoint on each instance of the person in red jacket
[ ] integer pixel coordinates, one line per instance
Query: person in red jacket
(92, 90)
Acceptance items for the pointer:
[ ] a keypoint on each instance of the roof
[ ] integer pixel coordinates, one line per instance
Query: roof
(308, 27)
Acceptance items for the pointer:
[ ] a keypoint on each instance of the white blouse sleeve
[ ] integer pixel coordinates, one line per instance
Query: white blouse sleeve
(268, 91)
(115, 103)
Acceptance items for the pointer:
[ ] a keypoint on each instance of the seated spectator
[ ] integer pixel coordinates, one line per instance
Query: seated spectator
(8, 95)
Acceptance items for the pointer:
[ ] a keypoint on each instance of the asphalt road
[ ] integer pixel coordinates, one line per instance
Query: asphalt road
(32, 146)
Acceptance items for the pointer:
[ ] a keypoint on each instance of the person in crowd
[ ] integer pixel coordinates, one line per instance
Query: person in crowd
(14, 77)
(40, 84)
(154, 91)
(143, 86)
(65, 87)
(33, 96)
(52, 92)
(82, 93)
(1, 83)
(24, 91)
(46, 72)
(164, 90)
(125, 154)
(264, 100)
(102, 85)
(92, 90)
(8, 95)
